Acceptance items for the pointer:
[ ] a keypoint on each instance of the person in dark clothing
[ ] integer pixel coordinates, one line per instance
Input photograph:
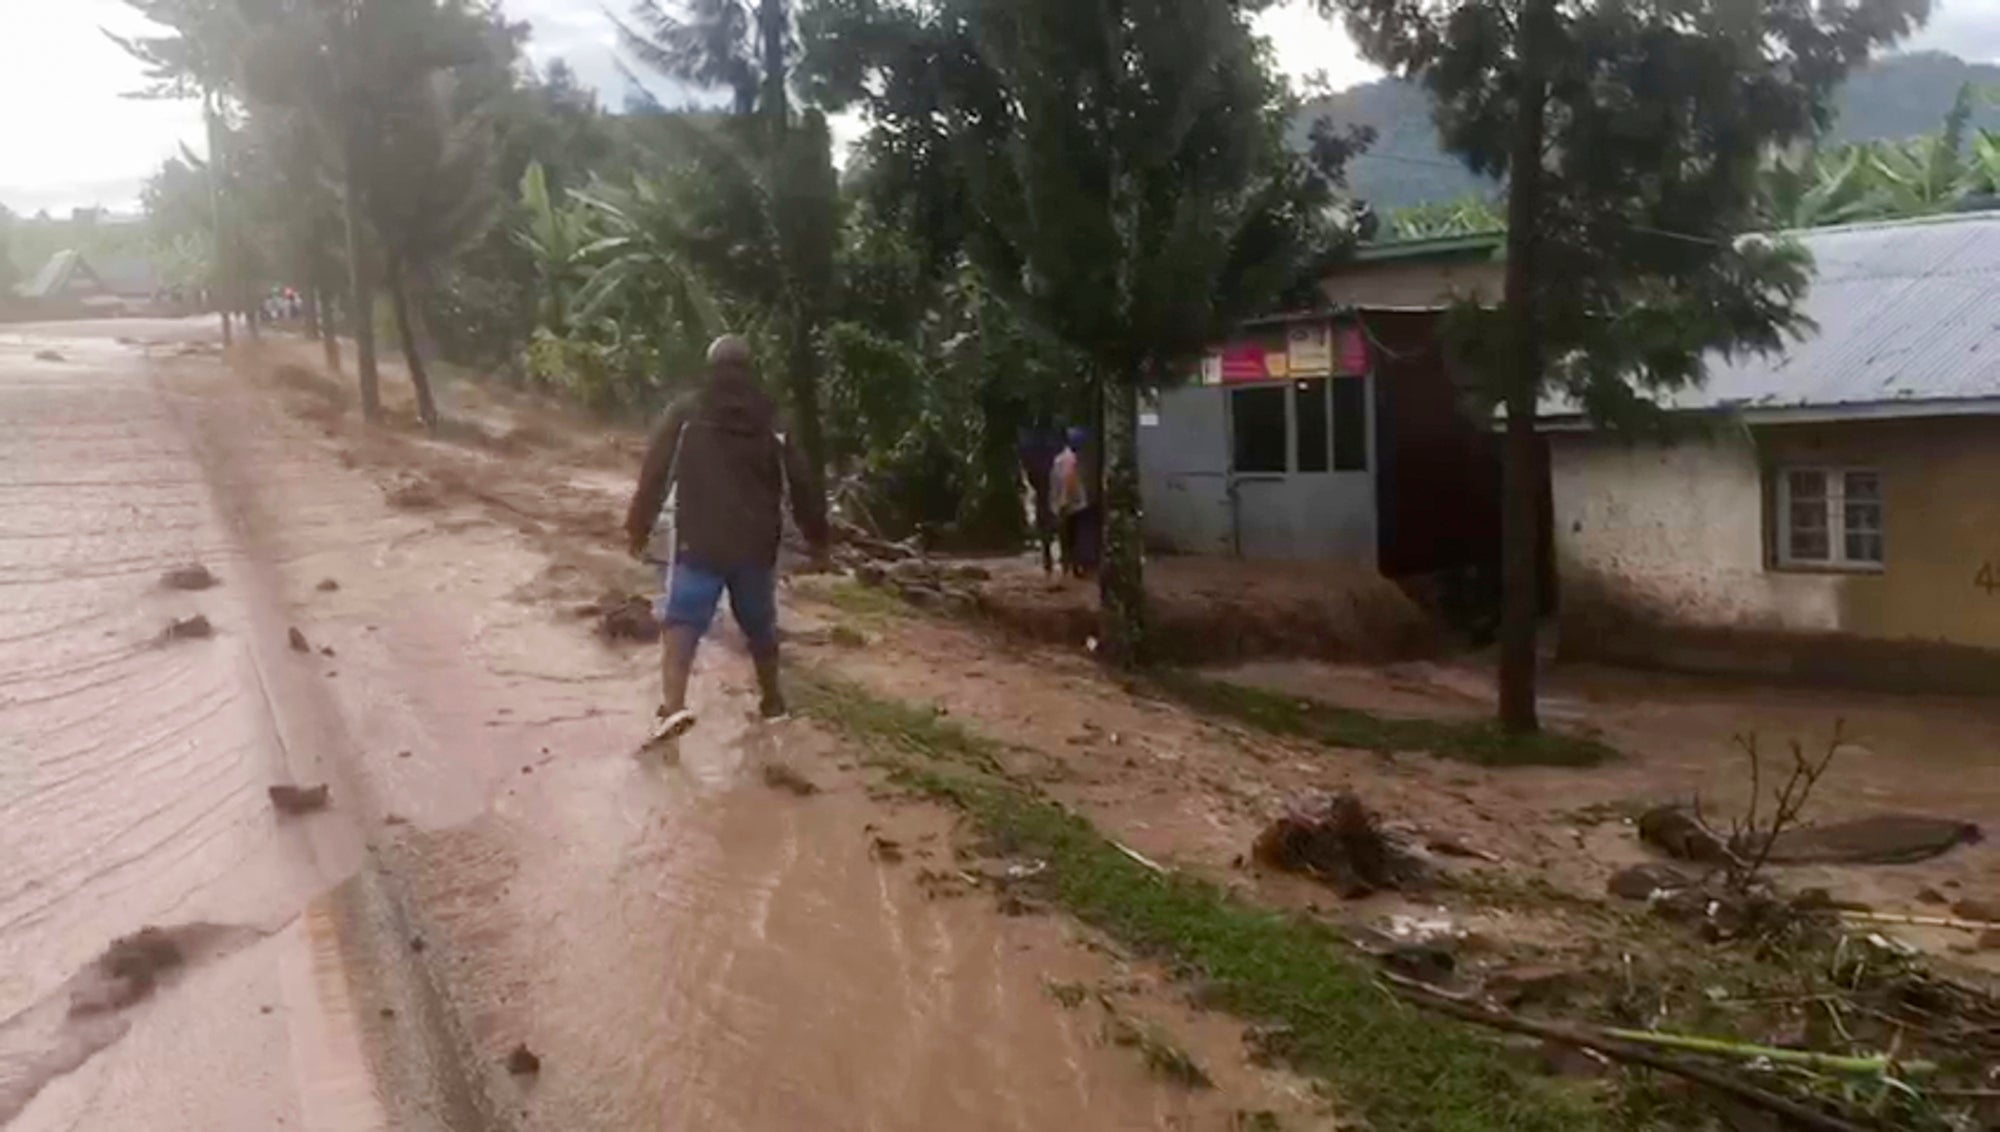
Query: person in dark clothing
(708, 515)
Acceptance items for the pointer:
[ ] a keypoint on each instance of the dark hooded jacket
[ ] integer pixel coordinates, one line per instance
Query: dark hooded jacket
(721, 448)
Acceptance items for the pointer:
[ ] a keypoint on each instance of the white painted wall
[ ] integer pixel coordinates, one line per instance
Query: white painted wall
(1675, 533)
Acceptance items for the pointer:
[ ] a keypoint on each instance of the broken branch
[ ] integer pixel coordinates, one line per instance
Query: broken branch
(1417, 994)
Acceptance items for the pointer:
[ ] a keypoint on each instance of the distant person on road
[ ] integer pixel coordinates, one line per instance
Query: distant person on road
(708, 513)
(1038, 450)
(1070, 500)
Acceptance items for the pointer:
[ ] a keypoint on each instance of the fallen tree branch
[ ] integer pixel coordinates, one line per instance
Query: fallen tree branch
(1743, 1051)
(1417, 994)
(1919, 921)
(1140, 858)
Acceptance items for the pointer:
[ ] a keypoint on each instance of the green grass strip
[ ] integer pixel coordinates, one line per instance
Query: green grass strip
(1393, 1068)
(1481, 742)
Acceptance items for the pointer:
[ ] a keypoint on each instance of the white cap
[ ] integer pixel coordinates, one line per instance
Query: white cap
(730, 349)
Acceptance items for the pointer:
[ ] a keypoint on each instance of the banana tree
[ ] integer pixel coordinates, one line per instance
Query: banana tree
(556, 235)
(1820, 188)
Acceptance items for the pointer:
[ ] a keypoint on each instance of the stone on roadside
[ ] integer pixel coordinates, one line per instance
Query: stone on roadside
(188, 629)
(192, 577)
(297, 800)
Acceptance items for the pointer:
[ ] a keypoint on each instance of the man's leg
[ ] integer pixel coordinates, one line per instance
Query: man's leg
(691, 594)
(753, 597)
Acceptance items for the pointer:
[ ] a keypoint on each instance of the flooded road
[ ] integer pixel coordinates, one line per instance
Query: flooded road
(681, 945)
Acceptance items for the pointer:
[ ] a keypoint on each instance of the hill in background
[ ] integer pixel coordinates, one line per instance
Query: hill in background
(1900, 97)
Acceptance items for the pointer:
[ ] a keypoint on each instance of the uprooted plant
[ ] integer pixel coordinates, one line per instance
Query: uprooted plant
(1754, 834)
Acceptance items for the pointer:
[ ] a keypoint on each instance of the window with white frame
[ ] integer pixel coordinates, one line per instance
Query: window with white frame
(1830, 517)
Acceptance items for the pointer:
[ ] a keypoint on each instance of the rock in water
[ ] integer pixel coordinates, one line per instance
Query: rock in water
(298, 640)
(523, 1062)
(1675, 832)
(296, 800)
(193, 577)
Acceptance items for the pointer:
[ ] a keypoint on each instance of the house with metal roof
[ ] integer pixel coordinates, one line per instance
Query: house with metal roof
(1335, 433)
(1835, 513)
(69, 282)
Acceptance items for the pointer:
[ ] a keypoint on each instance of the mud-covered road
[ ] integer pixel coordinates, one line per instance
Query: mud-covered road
(682, 946)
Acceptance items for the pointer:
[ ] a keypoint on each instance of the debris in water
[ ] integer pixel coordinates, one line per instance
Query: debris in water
(1338, 840)
(49, 356)
(886, 850)
(127, 971)
(1679, 834)
(326, 650)
(193, 577)
(298, 640)
(412, 494)
(1877, 839)
(523, 1062)
(327, 585)
(781, 777)
(188, 629)
(296, 800)
(627, 619)
(417, 944)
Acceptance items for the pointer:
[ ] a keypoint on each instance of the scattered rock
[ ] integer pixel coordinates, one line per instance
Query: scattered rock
(1424, 962)
(1640, 882)
(388, 1012)
(1878, 839)
(327, 585)
(778, 776)
(188, 629)
(1530, 985)
(523, 1062)
(50, 356)
(411, 494)
(846, 637)
(326, 650)
(969, 573)
(628, 619)
(417, 944)
(1972, 908)
(1929, 895)
(298, 640)
(1338, 840)
(296, 800)
(1676, 832)
(1560, 1059)
(394, 819)
(886, 850)
(871, 575)
(193, 577)
(402, 754)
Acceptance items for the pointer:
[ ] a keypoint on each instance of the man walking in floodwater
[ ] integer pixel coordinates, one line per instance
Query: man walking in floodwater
(708, 514)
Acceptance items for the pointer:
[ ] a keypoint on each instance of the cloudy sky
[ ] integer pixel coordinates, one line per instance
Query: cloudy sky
(67, 138)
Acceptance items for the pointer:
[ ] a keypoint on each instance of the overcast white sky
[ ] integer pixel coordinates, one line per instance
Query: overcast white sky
(68, 139)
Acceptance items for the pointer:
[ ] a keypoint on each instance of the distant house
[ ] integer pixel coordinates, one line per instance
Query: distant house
(1838, 515)
(70, 284)
(1335, 433)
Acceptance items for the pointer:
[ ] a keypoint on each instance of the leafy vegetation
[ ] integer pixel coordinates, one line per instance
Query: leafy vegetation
(1389, 1066)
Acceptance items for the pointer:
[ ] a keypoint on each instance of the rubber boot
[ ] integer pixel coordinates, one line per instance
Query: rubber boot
(771, 705)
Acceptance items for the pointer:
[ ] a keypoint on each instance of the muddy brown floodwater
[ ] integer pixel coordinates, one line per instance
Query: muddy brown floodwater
(680, 945)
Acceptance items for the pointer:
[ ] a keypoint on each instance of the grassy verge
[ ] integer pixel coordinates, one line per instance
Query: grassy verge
(1391, 1068)
(1480, 742)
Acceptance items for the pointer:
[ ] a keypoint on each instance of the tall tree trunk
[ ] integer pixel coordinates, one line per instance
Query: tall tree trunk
(802, 376)
(361, 294)
(413, 357)
(1520, 606)
(1121, 568)
(323, 310)
(220, 291)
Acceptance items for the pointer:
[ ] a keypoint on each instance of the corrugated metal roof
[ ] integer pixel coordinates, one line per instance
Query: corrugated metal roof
(1907, 318)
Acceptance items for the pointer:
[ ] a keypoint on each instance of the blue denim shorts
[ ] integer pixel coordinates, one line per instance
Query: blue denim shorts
(690, 593)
